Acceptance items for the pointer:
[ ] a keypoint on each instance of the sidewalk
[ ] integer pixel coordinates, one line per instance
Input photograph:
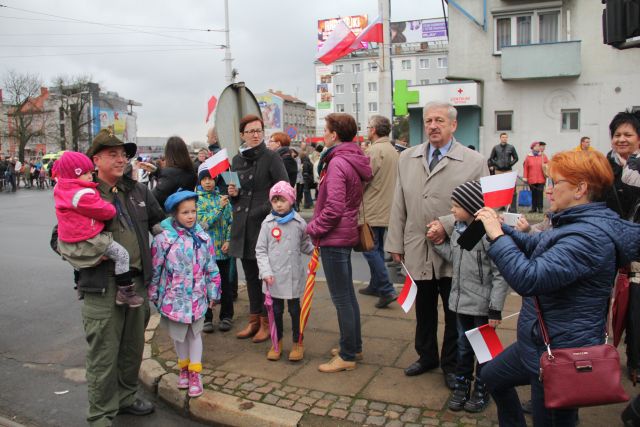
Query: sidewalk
(243, 388)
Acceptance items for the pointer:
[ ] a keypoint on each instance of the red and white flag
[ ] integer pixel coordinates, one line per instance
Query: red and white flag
(216, 164)
(211, 105)
(409, 291)
(485, 342)
(498, 189)
(373, 33)
(338, 44)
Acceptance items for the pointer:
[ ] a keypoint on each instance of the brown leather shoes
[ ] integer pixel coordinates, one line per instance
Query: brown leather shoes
(251, 329)
(336, 365)
(263, 333)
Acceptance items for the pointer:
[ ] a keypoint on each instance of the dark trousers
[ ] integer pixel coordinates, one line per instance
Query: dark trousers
(336, 262)
(466, 356)
(293, 306)
(379, 282)
(226, 297)
(254, 286)
(427, 324)
(502, 375)
(537, 196)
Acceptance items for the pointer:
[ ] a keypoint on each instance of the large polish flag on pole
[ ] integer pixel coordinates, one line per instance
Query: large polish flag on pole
(337, 45)
(498, 189)
(485, 343)
(373, 33)
(409, 291)
(216, 164)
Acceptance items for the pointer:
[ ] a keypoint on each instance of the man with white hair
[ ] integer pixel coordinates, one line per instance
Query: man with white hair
(427, 175)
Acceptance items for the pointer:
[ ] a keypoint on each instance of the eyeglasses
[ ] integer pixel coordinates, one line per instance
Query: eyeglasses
(253, 132)
(554, 183)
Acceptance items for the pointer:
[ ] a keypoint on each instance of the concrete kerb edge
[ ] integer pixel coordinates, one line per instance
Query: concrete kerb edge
(212, 406)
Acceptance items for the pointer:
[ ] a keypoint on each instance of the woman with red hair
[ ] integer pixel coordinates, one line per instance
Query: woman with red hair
(569, 270)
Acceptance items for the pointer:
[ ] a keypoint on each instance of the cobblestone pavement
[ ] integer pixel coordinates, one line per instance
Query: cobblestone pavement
(377, 393)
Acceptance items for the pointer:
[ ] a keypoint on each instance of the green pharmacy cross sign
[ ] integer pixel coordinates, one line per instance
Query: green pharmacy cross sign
(403, 97)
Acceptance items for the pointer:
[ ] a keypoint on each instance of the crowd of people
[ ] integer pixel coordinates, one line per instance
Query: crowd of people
(418, 201)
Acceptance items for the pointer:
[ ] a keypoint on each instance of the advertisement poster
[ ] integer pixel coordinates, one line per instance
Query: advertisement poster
(357, 23)
(422, 31)
(271, 107)
(122, 123)
(324, 90)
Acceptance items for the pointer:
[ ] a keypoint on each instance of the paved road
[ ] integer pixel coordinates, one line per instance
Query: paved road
(42, 344)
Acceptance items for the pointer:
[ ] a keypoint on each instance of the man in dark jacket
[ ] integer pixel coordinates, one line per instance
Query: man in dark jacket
(503, 156)
(115, 334)
(258, 169)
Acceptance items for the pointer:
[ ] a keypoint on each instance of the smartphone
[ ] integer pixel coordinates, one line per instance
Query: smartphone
(511, 218)
(472, 235)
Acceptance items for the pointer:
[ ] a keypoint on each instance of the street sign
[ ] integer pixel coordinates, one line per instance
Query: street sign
(292, 132)
(236, 101)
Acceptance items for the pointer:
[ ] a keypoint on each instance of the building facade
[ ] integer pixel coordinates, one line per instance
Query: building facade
(286, 113)
(542, 70)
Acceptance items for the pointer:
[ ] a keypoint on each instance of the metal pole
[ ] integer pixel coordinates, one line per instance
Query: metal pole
(227, 47)
(384, 74)
(357, 103)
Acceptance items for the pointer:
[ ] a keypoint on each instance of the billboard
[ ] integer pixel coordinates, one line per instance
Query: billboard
(421, 31)
(271, 107)
(357, 23)
(123, 123)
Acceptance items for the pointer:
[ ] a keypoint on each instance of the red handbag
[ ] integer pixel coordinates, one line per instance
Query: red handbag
(582, 376)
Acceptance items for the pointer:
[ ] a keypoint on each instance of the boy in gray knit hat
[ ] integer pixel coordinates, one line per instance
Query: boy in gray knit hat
(478, 291)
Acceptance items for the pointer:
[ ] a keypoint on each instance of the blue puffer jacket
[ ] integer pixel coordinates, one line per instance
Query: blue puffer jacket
(571, 268)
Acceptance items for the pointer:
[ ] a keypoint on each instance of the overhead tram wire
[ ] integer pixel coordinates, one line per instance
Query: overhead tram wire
(118, 26)
(119, 52)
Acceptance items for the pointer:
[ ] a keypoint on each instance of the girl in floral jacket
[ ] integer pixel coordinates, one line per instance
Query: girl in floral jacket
(185, 283)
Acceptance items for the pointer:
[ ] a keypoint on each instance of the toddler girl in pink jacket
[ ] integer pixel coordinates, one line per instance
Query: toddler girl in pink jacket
(81, 214)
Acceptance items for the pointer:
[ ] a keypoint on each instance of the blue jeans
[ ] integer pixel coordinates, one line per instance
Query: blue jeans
(506, 371)
(466, 356)
(380, 282)
(336, 262)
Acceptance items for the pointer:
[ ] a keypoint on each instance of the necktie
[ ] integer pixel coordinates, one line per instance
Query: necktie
(435, 158)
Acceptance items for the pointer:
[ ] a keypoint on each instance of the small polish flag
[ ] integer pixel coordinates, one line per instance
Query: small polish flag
(337, 45)
(498, 189)
(373, 33)
(211, 105)
(409, 291)
(485, 342)
(216, 164)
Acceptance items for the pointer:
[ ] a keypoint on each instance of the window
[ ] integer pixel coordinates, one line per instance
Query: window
(406, 64)
(443, 62)
(339, 108)
(355, 87)
(338, 68)
(424, 63)
(504, 121)
(339, 88)
(373, 86)
(570, 119)
(355, 107)
(424, 82)
(527, 28)
(373, 107)
(373, 66)
(355, 68)
(442, 80)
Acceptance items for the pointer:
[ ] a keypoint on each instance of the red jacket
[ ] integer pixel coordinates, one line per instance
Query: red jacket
(335, 218)
(533, 168)
(80, 210)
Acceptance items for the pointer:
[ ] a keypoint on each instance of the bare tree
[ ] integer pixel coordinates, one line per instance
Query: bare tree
(27, 117)
(75, 97)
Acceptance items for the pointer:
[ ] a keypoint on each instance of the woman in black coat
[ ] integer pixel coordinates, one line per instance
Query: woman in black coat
(258, 169)
(178, 171)
(281, 144)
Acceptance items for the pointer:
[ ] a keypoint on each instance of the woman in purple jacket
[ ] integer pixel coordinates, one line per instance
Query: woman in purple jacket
(344, 170)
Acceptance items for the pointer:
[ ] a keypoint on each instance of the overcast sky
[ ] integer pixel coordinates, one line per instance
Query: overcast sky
(170, 70)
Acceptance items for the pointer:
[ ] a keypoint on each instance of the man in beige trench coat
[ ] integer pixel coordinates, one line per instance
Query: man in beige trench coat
(427, 175)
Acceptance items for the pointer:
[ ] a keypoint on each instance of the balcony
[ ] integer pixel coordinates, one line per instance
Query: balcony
(541, 61)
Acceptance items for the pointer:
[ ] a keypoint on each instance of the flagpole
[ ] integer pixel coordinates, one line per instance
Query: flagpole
(384, 74)
(228, 61)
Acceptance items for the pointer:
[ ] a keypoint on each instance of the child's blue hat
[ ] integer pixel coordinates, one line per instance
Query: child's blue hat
(178, 197)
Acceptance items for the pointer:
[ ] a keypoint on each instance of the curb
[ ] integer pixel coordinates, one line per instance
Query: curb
(5, 422)
(213, 406)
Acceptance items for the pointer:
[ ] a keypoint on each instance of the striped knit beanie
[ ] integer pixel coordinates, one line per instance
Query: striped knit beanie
(469, 196)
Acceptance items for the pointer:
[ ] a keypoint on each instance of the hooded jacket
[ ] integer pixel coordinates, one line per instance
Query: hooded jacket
(185, 277)
(335, 218)
(571, 268)
(216, 219)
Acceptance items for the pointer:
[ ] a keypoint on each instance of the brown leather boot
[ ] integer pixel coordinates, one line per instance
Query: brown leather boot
(126, 295)
(263, 333)
(252, 327)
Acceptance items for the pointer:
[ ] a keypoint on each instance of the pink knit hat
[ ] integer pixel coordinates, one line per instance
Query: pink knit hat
(71, 165)
(284, 189)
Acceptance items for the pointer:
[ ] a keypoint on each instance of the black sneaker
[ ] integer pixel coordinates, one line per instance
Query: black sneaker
(460, 394)
(208, 327)
(368, 291)
(479, 400)
(225, 324)
(385, 300)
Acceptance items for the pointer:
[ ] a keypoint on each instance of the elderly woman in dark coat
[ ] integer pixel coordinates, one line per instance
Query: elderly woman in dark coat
(570, 269)
(178, 171)
(258, 169)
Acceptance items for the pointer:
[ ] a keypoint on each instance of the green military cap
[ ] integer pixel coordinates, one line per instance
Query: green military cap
(106, 138)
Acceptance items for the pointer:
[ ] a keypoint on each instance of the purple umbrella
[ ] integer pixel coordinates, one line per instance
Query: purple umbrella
(268, 303)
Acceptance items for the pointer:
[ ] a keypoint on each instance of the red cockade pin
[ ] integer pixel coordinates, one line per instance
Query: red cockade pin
(276, 233)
